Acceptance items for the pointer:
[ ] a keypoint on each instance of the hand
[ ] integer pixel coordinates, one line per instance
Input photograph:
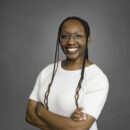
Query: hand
(78, 115)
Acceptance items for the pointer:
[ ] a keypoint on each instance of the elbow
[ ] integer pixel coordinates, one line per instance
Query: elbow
(28, 118)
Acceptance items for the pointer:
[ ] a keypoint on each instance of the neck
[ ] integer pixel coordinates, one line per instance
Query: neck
(74, 63)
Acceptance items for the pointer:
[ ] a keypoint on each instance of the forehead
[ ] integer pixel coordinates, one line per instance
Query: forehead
(73, 26)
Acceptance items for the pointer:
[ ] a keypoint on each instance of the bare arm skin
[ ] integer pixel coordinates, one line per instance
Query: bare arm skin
(63, 123)
(32, 118)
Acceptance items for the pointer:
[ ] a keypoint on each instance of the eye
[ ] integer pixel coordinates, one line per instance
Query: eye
(78, 36)
(64, 36)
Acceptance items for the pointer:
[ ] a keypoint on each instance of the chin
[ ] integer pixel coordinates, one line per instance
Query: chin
(72, 57)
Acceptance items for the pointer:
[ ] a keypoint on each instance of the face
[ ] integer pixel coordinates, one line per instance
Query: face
(73, 39)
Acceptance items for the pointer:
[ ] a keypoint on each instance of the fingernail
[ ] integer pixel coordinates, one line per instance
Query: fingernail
(84, 118)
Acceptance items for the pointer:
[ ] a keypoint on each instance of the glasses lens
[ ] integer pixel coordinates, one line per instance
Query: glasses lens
(64, 37)
(78, 36)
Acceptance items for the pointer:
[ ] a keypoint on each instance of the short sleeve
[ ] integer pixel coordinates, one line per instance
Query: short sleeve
(95, 96)
(34, 93)
(41, 76)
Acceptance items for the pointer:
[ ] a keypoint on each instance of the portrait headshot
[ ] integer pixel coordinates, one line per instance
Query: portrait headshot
(65, 65)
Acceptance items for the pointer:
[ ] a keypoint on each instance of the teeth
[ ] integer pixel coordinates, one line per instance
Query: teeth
(72, 49)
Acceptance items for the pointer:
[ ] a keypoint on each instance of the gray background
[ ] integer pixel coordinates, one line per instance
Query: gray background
(28, 32)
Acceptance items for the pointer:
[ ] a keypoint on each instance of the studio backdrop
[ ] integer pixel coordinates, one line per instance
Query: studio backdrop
(28, 33)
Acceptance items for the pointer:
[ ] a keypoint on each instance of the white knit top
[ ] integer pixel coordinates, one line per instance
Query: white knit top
(61, 101)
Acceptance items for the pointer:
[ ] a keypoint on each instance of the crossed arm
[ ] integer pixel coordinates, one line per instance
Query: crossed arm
(40, 117)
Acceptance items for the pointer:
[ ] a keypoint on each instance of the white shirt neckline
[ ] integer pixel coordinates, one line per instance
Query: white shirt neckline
(73, 71)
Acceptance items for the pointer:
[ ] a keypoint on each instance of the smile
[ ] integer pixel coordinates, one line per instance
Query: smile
(72, 50)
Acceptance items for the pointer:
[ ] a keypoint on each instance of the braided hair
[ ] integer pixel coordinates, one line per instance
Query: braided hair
(87, 33)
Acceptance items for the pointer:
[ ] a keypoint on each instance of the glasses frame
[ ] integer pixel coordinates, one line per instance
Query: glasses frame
(74, 37)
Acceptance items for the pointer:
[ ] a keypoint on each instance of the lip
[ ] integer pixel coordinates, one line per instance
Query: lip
(72, 47)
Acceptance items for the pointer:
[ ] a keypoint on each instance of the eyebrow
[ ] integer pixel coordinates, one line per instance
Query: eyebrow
(75, 32)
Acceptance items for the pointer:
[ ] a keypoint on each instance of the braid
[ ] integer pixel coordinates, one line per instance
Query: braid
(81, 79)
(87, 31)
(54, 71)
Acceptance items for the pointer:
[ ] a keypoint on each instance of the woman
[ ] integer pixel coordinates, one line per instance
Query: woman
(69, 94)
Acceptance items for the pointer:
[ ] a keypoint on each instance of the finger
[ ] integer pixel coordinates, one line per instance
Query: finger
(79, 119)
(76, 116)
(81, 114)
(75, 119)
(80, 108)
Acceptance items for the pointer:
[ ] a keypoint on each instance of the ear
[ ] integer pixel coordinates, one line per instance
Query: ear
(89, 39)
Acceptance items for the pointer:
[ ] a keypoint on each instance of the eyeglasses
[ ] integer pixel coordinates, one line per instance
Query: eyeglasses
(66, 37)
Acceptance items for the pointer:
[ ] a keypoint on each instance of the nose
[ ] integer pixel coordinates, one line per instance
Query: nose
(71, 40)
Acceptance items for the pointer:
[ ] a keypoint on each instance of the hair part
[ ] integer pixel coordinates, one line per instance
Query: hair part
(87, 33)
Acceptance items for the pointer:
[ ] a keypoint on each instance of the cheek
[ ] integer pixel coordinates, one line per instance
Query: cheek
(62, 44)
(83, 44)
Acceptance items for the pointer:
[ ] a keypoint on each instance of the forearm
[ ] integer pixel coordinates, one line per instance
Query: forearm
(33, 119)
(59, 122)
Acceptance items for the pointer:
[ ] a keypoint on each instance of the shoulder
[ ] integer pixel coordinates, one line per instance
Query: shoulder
(47, 70)
(96, 78)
